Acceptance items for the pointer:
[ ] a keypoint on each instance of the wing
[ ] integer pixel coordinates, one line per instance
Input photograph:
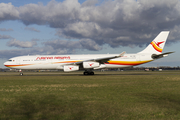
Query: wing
(100, 60)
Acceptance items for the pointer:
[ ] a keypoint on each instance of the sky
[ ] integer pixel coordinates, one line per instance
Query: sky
(54, 27)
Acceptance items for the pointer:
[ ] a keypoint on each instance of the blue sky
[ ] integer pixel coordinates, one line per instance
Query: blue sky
(87, 27)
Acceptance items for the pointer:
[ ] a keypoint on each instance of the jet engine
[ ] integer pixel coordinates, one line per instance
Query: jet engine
(69, 68)
(90, 64)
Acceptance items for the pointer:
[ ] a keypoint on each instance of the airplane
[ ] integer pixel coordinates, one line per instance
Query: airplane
(88, 63)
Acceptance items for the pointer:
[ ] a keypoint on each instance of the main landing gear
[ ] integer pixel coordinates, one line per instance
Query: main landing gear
(88, 73)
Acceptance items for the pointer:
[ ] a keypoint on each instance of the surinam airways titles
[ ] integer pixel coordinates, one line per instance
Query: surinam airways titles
(49, 58)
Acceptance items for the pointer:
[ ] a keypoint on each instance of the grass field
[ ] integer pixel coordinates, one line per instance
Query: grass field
(104, 96)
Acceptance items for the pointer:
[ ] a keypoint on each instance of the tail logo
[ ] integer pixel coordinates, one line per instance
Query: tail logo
(158, 43)
(156, 46)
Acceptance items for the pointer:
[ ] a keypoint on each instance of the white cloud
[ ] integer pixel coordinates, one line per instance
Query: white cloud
(89, 3)
(31, 29)
(88, 44)
(21, 44)
(8, 12)
(5, 37)
(4, 29)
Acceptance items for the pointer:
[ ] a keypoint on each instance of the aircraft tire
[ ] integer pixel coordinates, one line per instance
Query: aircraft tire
(85, 73)
(88, 73)
(21, 74)
(91, 73)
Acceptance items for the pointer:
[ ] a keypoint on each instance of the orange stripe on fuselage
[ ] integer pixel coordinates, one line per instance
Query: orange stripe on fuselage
(132, 63)
(18, 65)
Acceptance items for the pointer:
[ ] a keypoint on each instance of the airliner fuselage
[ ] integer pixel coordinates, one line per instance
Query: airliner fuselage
(59, 61)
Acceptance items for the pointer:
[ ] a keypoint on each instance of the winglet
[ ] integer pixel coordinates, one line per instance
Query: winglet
(122, 54)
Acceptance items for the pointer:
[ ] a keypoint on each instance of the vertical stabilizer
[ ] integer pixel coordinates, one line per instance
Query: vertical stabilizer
(157, 45)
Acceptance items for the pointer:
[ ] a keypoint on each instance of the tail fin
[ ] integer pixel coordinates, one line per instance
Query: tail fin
(157, 45)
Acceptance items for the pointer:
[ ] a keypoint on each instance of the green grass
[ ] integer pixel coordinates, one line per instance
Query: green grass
(104, 96)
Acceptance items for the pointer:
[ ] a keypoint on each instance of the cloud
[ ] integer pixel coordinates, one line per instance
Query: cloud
(21, 44)
(72, 46)
(48, 48)
(8, 12)
(113, 22)
(55, 14)
(89, 45)
(4, 29)
(19, 52)
(5, 37)
(31, 29)
(6, 54)
(89, 3)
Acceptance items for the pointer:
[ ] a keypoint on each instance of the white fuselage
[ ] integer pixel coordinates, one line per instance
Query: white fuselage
(59, 61)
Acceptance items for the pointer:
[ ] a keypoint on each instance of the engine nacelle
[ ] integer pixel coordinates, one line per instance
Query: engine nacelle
(90, 64)
(69, 68)
(100, 67)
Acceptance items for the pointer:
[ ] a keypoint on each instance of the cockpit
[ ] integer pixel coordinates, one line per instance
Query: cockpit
(9, 62)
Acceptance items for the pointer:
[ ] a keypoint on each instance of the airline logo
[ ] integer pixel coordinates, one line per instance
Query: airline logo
(90, 64)
(71, 68)
(156, 46)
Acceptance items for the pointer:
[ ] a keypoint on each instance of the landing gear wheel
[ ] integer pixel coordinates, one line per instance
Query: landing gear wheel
(21, 74)
(91, 73)
(88, 73)
(85, 73)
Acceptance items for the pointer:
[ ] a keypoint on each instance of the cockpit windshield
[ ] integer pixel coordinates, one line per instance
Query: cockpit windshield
(10, 60)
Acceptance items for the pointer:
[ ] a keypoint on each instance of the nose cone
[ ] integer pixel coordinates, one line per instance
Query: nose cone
(6, 64)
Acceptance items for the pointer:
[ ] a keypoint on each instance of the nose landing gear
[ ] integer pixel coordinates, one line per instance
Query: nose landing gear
(21, 74)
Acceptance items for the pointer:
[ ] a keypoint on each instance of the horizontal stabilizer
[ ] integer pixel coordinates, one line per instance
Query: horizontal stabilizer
(155, 56)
